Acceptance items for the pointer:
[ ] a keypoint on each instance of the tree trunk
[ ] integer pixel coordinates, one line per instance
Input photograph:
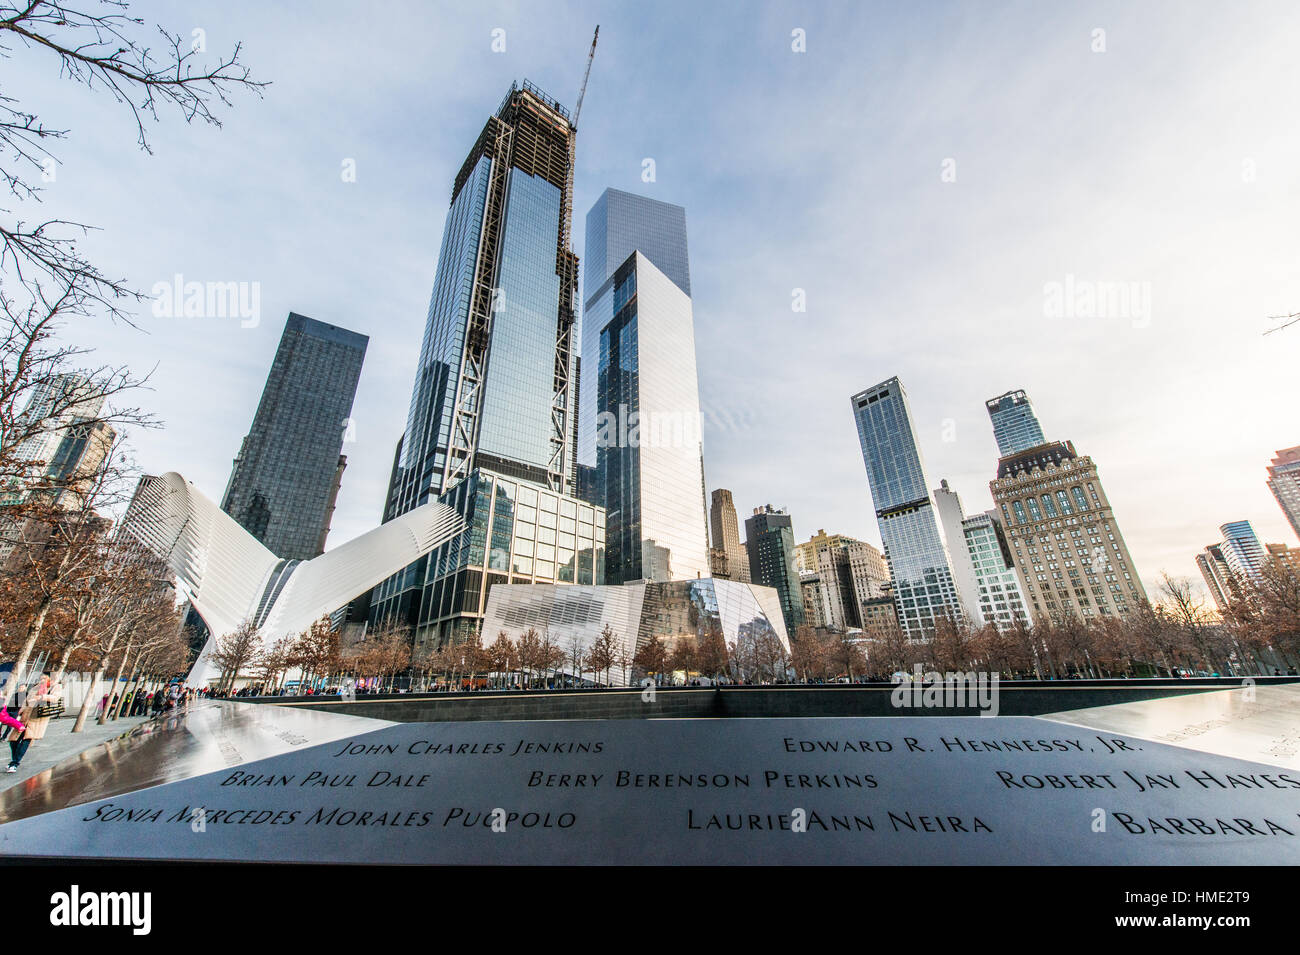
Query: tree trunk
(94, 681)
(121, 698)
(117, 679)
(33, 634)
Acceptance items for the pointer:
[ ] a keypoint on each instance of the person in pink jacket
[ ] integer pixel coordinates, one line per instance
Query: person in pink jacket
(9, 721)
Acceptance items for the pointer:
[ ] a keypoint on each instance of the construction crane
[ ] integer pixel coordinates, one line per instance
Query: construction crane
(566, 213)
(591, 55)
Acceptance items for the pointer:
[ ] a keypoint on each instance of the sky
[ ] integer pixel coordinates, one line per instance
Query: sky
(924, 177)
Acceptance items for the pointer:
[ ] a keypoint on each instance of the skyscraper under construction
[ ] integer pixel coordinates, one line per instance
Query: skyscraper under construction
(495, 387)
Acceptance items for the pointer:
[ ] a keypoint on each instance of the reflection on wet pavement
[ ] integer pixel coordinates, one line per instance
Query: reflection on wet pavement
(1256, 723)
(209, 736)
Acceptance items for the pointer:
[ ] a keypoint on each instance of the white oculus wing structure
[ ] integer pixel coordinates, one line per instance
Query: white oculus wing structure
(230, 577)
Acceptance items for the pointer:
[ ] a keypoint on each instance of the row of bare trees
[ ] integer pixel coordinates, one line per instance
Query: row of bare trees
(1177, 635)
(536, 656)
(80, 597)
(317, 656)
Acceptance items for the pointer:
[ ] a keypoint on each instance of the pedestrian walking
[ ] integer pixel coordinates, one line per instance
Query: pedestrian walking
(41, 707)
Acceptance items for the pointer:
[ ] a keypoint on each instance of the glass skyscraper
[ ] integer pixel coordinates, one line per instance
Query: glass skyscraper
(516, 532)
(639, 412)
(918, 561)
(621, 223)
(1241, 550)
(649, 471)
(1015, 426)
(285, 481)
(1284, 482)
(769, 539)
(495, 387)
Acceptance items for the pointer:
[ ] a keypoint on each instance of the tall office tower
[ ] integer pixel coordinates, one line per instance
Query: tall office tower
(983, 567)
(619, 224)
(947, 505)
(1284, 482)
(1014, 425)
(726, 535)
(286, 478)
(769, 541)
(1001, 590)
(649, 472)
(1218, 578)
(1063, 534)
(918, 562)
(639, 412)
(1241, 550)
(495, 383)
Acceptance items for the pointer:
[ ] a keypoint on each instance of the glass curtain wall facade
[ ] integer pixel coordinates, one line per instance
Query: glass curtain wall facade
(1001, 597)
(922, 579)
(619, 224)
(1284, 482)
(62, 403)
(710, 614)
(1218, 578)
(496, 385)
(1015, 426)
(1241, 550)
(649, 471)
(286, 478)
(769, 539)
(516, 532)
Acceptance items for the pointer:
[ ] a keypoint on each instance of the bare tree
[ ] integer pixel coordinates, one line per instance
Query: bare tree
(316, 652)
(502, 653)
(576, 658)
(711, 652)
(529, 650)
(236, 652)
(58, 547)
(651, 657)
(844, 652)
(96, 45)
(132, 593)
(600, 655)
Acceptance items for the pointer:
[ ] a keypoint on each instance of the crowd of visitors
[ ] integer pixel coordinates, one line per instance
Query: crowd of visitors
(27, 719)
